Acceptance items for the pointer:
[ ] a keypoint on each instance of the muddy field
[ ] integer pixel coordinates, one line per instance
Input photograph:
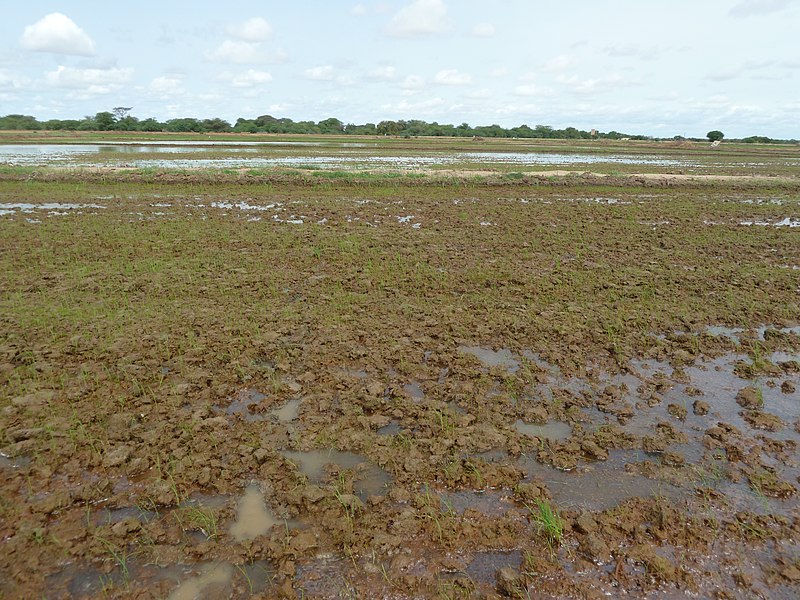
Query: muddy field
(354, 389)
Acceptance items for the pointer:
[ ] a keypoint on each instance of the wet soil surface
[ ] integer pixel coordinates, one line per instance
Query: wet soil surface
(387, 392)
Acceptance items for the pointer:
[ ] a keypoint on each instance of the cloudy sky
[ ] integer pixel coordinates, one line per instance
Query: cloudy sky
(658, 67)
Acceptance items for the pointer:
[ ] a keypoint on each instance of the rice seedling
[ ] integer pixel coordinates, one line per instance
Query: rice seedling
(548, 520)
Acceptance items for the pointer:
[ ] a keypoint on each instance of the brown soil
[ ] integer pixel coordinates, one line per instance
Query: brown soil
(344, 369)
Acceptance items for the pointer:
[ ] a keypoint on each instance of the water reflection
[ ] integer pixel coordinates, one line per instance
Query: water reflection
(356, 155)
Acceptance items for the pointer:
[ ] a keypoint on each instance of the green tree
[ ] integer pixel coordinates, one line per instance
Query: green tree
(120, 112)
(104, 121)
(216, 124)
(331, 125)
(184, 125)
(715, 136)
(388, 128)
(19, 122)
(150, 124)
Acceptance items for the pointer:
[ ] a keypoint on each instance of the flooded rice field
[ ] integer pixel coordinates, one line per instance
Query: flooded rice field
(267, 154)
(412, 156)
(381, 391)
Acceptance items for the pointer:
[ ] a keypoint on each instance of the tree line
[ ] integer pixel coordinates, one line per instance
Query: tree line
(120, 119)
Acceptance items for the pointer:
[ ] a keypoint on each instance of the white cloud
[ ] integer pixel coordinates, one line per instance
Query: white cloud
(413, 82)
(558, 63)
(724, 75)
(452, 77)
(529, 89)
(421, 107)
(256, 29)
(247, 79)
(59, 34)
(761, 69)
(361, 9)
(12, 81)
(385, 73)
(91, 81)
(243, 53)
(633, 51)
(482, 94)
(594, 85)
(483, 30)
(499, 72)
(321, 73)
(167, 86)
(754, 8)
(420, 18)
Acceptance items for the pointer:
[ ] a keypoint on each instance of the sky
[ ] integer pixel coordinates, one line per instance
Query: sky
(652, 67)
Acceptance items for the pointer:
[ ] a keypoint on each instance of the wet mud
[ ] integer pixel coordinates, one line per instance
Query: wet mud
(571, 405)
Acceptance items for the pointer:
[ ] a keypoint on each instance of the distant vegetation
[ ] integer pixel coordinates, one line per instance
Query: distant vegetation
(119, 119)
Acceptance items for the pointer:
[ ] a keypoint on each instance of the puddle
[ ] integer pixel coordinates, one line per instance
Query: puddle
(371, 480)
(786, 222)
(212, 501)
(288, 412)
(325, 577)
(87, 583)
(729, 332)
(553, 431)
(484, 566)
(240, 405)
(599, 486)
(253, 518)
(213, 582)
(540, 362)
(390, 429)
(490, 358)
(53, 208)
(492, 456)
(784, 357)
(455, 408)
(245, 206)
(216, 580)
(13, 462)
(735, 333)
(187, 581)
(108, 516)
(414, 390)
(355, 373)
(791, 330)
(491, 503)
(258, 575)
(720, 385)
